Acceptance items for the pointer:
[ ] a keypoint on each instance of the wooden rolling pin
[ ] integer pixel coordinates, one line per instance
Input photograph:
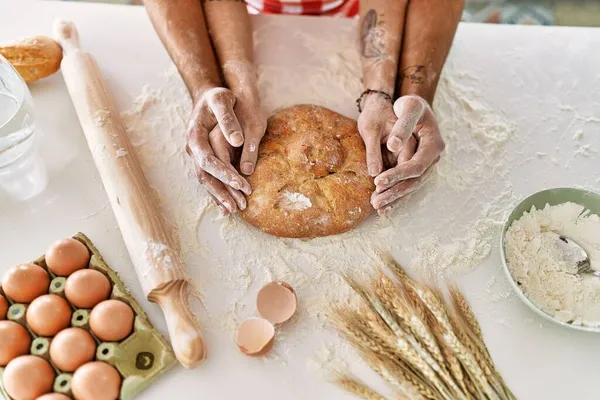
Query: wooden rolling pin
(152, 248)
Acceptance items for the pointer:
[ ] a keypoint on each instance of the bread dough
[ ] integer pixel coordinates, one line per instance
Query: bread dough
(311, 177)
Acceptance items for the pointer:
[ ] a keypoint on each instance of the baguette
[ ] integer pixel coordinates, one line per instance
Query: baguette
(34, 58)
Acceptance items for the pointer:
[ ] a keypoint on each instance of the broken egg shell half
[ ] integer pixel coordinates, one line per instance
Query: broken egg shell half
(276, 302)
(255, 336)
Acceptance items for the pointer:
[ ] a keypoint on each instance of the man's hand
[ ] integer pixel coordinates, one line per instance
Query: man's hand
(213, 132)
(416, 139)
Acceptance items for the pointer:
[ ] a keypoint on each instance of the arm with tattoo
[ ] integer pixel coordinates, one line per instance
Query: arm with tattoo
(380, 35)
(416, 137)
(428, 35)
(381, 28)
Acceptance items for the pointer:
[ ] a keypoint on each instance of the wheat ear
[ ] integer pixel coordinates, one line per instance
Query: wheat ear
(463, 309)
(358, 388)
(409, 314)
(401, 365)
(380, 355)
(469, 327)
(419, 337)
(437, 309)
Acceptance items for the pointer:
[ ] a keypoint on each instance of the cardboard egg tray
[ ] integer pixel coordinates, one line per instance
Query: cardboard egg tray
(140, 358)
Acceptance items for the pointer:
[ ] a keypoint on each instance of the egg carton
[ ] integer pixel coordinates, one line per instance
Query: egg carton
(140, 358)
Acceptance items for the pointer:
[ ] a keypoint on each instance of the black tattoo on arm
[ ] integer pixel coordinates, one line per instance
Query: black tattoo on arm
(416, 74)
(371, 40)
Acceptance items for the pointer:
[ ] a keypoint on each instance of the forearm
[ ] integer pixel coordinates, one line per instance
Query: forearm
(381, 29)
(182, 29)
(428, 34)
(231, 32)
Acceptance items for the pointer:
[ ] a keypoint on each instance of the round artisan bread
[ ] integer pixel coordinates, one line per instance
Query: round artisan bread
(311, 177)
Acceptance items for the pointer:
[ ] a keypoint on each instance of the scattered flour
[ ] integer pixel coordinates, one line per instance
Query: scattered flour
(121, 152)
(101, 117)
(296, 201)
(446, 229)
(154, 250)
(539, 267)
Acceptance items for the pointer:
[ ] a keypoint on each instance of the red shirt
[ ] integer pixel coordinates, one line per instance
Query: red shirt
(340, 8)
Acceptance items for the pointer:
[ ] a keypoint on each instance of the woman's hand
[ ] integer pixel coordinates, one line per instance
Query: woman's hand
(216, 128)
(417, 141)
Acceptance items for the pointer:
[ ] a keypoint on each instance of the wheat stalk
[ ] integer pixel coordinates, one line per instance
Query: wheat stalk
(397, 301)
(470, 328)
(415, 340)
(463, 309)
(379, 353)
(358, 388)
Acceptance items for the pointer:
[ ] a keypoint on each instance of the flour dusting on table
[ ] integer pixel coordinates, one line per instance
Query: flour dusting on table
(536, 262)
(427, 233)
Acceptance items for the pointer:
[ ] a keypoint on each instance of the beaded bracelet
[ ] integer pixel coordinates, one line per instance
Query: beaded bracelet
(369, 91)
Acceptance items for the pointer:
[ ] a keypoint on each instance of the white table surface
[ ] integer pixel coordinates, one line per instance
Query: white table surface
(533, 75)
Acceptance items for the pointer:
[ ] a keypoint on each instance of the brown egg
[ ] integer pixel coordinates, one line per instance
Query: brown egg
(96, 381)
(25, 282)
(276, 301)
(48, 314)
(255, 336)
(71, 348)
(3, 307)
(14, 341)
(28, 377)
(54, 396)
(87, 287)
(111, 320)
(66, 256)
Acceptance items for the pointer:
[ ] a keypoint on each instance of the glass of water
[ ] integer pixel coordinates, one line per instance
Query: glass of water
(22, 175)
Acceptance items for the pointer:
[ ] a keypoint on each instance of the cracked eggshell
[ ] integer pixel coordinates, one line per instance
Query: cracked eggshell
(276, 302)
(255, 336)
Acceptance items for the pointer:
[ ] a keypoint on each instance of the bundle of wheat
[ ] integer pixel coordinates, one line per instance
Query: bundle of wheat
(424, 346)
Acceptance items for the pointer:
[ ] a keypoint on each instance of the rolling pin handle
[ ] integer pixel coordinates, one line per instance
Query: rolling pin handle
(66, 34)
(186, 336)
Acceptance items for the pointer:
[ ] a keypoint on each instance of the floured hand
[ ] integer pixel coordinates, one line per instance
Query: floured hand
(213, 131)
(416, 139)
(375, 124)
(254, 125)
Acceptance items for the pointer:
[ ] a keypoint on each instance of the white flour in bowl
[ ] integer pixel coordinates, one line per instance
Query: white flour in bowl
(538, 266)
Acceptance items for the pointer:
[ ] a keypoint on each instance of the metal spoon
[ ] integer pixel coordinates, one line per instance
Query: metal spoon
(576, 255)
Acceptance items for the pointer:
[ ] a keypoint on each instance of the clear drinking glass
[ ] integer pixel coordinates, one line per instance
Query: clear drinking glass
(22, 174)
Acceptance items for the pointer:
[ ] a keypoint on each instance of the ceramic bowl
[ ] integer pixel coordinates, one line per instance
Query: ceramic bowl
(588, 199)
